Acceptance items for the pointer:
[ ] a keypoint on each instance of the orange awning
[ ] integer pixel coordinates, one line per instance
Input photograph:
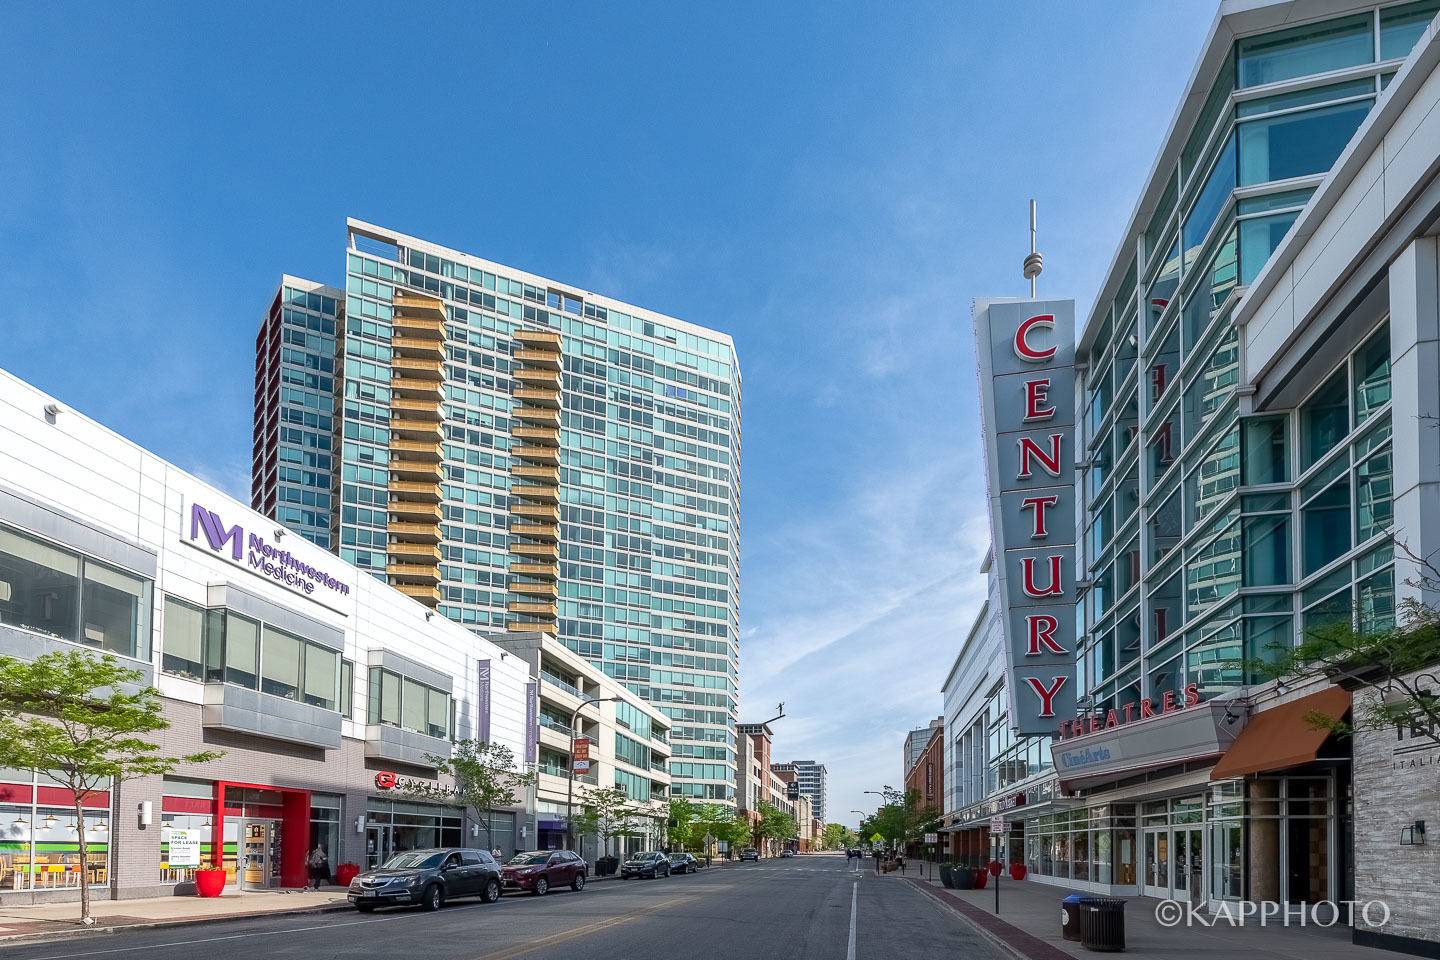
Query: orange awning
(1279, 737)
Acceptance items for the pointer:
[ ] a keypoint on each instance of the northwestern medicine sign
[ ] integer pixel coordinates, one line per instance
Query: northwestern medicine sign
(203, 527)
(1026, 354)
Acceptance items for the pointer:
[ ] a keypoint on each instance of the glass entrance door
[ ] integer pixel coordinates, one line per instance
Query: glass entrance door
(259, 865)
(1189, 873)
(379, 844)
(1157, 863)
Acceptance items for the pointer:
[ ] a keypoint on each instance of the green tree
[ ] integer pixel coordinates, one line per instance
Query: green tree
(605, 813)
(772, 823)
(483, 777)
(711, 820)
(837, 836)
(67, 715)
(681, 819)
(736, 831)
(901, 819)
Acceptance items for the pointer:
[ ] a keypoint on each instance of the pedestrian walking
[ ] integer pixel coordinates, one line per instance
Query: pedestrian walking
(877, 859)
(319, 865)
(900, 862)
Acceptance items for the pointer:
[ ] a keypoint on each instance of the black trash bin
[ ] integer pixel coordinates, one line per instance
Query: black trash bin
(1102, 925)
(1070, 915)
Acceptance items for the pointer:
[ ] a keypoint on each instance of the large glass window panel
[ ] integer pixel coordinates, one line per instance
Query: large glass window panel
(1302, 51)
(280, 664)
(322, 676)
(1208, 664)
(1283, 200)
(1324, 419)
(1164, 527)
(1325, 522)
(1266, 638)
(1103, 389)
(1162, 288)
(1216, 281)
(413, 707)
(1291, 99)
(1374, 491)
(1160, 219)
(1297, 144)
(1263, 457)
(1127, 424)
(1372, 374)
(1210, 201)
(115, 608)
(1259, 237)
(183, 640)
(438, 713)
(347, 687)
(1209, 114)
(1127, 635)
(1375, 597)
(1166, 612)
(1213, 572)
(242, 651)
(1164, 446)
(1401, 26)
(1127, 495)
(384, 697)
(1217, 475)
(1127, 348)
(1212, 385)
(39, 586)
(1267, 550)
(1164, 366)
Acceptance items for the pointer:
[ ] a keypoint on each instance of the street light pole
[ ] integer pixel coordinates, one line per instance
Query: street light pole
(570, 778)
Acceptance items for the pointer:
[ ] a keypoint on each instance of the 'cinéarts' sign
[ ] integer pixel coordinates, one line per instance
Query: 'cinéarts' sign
(1026, 354)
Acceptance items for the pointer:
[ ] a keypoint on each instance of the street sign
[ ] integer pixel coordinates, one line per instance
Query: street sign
(932, 838)
(580, 755)
(999, 825)
(877, 839)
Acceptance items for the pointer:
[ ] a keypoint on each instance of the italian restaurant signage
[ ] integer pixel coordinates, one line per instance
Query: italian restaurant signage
(1025, 350)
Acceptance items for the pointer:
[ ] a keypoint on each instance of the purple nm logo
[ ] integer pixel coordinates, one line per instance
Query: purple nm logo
(215, 531)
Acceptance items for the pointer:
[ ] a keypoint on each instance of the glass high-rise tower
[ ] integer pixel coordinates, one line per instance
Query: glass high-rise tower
(520, 454)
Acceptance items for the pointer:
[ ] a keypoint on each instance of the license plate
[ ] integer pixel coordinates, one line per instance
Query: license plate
(369, 894)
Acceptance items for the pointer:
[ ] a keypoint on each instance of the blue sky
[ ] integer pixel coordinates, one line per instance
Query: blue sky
(830, 183)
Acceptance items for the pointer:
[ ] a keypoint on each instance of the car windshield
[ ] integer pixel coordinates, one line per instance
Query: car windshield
(414, 860)
(523, 858)
(645, 856)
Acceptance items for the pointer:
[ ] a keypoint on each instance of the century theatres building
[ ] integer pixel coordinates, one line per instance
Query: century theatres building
(1250, 436)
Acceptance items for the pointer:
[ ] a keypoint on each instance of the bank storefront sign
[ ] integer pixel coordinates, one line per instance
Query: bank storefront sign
(207, 530)
(1026, 354)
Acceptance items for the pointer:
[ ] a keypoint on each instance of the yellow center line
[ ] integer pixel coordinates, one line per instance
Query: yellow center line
(584, 928)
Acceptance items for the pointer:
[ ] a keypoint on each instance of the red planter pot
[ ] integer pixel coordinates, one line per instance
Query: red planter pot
(346, 872)
(995, 868)
(1017, 871)
(209, 883)
(981, 876)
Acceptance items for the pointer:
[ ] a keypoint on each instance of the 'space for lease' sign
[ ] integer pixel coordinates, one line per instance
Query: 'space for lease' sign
(1026, 355)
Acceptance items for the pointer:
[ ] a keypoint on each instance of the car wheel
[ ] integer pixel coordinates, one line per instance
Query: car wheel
(542, 886)
(578, 883)
(491, 893)
(365, 907)
(432, 898)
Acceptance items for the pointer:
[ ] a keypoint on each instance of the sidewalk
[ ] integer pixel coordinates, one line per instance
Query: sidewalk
(1029, 927)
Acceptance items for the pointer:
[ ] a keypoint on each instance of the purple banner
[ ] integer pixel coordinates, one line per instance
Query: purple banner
(532, 723)
(482, 704)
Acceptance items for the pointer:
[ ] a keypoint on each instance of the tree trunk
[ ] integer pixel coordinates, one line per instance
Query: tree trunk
(84, 858)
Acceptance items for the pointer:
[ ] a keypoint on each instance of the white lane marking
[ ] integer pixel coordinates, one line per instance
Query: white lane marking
(854, 895)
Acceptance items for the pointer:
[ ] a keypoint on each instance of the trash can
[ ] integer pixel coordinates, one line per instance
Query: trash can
(1070, 915)
(1102, 925)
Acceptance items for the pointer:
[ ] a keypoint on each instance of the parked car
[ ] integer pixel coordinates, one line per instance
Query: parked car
(787, 853)
(427, 877)
(749, 853)
(683, 863)
(650, 864)
(540, 870)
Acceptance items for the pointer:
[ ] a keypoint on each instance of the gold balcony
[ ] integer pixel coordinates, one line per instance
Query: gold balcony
(536, 491)
(533, 609)
(543, 570)
(403, 551)
(537, 338)
(432, 390)
(422, 431)
(417, 409)
(418, 348)
(548, 551)
(535, 376)
(427, 594)
(416, 450)
(414, 511)
(422, 327)
(418, 532)
(535, 531)
(418, 470)
(531, 625)
(544, 359)
(535, 471)
(533, 589)
(539, 396)
(541, 511)
(549, 455)
(540, 415)
(413, 572)
(417, 368)
(415, 490)
(419, 305)
(549, 436)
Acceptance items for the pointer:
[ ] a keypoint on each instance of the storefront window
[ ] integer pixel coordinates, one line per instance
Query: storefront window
(43, 589)
(40, 837)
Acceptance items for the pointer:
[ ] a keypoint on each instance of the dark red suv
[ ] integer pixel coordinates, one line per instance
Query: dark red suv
(540, 870)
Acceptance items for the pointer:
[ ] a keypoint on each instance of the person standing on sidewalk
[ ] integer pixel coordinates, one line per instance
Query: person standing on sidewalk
(319, 865)
(877, 859)
(900, 862)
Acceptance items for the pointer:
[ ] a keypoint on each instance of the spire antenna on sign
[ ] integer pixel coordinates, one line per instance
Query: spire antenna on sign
(1033, 263)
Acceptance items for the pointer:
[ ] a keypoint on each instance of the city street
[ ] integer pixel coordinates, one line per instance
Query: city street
(808, 907)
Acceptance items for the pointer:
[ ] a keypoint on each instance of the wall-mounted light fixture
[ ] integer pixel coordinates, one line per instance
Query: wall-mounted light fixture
(52, 410)
(359, 824)
(147, 813)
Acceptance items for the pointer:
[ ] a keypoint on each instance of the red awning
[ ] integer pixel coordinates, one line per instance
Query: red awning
(1281, 737)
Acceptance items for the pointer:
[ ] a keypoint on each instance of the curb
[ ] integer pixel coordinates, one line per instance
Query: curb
(1044, 950)
(71, 932)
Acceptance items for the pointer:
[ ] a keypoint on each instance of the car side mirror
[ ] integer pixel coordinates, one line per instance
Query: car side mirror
(449, 866)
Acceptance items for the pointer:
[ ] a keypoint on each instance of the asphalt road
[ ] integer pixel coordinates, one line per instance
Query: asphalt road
(818, 907)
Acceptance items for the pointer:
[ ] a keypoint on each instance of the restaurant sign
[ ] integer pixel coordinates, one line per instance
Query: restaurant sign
(1025, 350)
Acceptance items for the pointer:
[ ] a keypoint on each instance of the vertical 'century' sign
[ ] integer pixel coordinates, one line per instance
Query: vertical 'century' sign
(1026, 354)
